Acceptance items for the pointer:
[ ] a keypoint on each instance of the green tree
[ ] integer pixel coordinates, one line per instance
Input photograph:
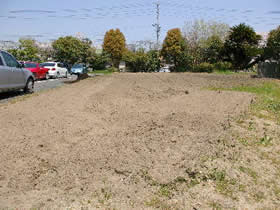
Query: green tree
(99, 61)
(173, 49)
(153, 61)
(114, 45)
(72, 50)
(136, 61)
(273, 44)
(212, 49)
(27, 51)
(242, 46)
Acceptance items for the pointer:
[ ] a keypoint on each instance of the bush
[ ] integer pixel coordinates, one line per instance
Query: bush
(112, 69)
(204, 67)
(223, 66)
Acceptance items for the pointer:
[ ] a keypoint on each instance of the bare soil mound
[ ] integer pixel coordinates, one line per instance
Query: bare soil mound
(124, 141)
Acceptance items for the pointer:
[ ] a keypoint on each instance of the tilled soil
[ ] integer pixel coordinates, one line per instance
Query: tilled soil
(125, 141)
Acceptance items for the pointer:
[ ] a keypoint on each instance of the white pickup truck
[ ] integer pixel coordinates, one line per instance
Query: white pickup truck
(13, 76)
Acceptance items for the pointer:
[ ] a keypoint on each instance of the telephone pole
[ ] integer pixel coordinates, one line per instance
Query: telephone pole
(157, 24)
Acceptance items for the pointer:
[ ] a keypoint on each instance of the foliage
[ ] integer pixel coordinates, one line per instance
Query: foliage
(99, 61)
(273, 44)
(153, 62)
(140, 61)
(199, 35)
(136, 61)
(27, 51)
(174, 50)
(223, 66)
(212, 49)
(72, 50)
(114, 44)
(204, 67)
(242, 46)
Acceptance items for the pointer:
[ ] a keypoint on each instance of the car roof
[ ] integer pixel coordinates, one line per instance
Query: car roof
(28, 62)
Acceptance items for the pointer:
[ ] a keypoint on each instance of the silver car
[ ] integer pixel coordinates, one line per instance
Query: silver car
(13, 76)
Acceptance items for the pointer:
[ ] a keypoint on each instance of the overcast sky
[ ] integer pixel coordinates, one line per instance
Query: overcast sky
(48, 19)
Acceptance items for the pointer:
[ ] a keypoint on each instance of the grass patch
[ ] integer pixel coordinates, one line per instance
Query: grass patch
(226, 72)
(157, 203)
(216, 206)
(265, 141)
(165, 191)
(231, 72)
(102, 71)
(249, 172)
(267, 104)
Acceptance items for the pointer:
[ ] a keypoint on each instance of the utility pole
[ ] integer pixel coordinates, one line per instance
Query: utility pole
(157, 24)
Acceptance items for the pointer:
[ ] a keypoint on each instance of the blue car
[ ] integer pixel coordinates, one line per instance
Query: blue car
(79, 68)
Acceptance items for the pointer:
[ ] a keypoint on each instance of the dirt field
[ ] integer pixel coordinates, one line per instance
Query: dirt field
(137, 141)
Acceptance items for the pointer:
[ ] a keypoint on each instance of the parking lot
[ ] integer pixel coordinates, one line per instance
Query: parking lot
(39, 85)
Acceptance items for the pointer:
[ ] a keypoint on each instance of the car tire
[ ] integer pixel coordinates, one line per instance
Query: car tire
(47, 76)
(57, 74)
(29, 87)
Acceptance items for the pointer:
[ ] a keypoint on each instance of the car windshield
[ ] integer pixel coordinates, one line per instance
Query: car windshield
(78, 66)
(30, 65)
(47, 64)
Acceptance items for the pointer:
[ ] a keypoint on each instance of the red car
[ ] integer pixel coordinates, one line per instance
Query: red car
(38, 71)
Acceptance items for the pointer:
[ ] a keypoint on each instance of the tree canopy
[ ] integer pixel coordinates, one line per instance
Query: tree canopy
(242, 45)
(114, 45)
(72, 50)
(27, 51)
(174, 49)
(273, 44)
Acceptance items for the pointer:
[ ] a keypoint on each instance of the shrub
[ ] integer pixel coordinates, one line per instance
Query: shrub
(204, 67)
(223, 66)
(112, 69)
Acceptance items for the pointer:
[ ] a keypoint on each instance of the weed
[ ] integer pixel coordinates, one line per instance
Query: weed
(149, 179)
(244, 141)
(193, 183)
(217, 175)
(265, 141)
(249, 172)
(164, 191)
(251, 126)
(216, 206)
(225, 187)
(242, 188)
(156, 203)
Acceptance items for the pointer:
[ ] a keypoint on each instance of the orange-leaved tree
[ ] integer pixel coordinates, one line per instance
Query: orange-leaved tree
(174, 48)
(114, 45)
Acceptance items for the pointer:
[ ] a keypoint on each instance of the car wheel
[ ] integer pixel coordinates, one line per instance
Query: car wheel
(47, 76)
(29, 87)
(57, 74)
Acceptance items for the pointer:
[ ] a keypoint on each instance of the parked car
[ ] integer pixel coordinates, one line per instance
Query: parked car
(13, 76)
(79, 69)
(55, 69)
(165, 69)
(38, 71)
